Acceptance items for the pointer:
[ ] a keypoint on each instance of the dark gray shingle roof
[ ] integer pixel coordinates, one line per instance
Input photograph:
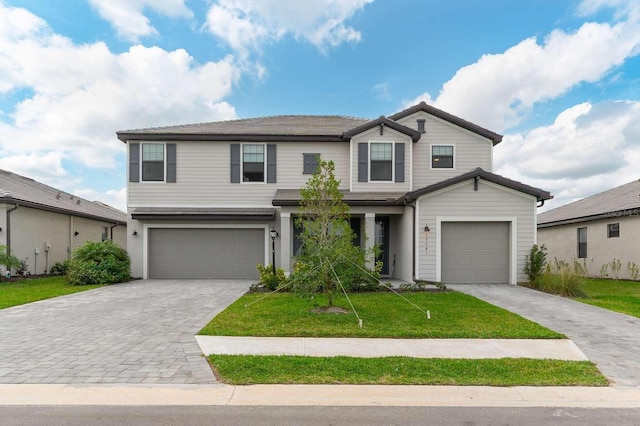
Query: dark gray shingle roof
(25, 191)
(291, 197)
(196, 213)
(622, 198)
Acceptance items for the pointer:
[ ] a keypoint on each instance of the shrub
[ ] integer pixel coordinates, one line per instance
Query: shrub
(535, 262)
(99, 263)
(561, 280)
(59, 268)
(580, 268)
(270, 280)
(615, 266)
(7, 259)
(634, 270)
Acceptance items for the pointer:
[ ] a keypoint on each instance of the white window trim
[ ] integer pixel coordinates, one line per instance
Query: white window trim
(393, 162)
(264, 164)
(147, 227)
(431, 156)
(513, 241)
(164, 163)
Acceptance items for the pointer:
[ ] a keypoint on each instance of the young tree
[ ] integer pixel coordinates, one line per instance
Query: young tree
(7, 259)
(328, 256)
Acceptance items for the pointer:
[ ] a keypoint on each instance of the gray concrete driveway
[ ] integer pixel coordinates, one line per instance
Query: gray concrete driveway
(138, 332)
(609, 339)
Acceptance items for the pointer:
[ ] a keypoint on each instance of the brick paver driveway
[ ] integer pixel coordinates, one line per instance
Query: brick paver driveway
(138, 332)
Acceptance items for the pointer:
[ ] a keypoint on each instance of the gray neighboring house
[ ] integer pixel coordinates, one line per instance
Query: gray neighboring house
(43, 225)
(596, 229)
(204, 198)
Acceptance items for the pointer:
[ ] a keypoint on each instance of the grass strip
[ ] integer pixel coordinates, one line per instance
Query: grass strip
(251, 369)
(615, 295)
(385, 315)
(13, 293)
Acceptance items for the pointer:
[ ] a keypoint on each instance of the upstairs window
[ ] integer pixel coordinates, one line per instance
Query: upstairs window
(381, 168)
(582, 243)
(442, 156)
(253, 163)
(613, 230)
(153, 162)
(310, 163)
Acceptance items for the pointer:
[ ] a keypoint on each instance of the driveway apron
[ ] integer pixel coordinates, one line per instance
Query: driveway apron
(609, 339)
(137, 332)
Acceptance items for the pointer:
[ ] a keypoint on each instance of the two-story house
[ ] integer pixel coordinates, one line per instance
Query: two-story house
(204, 198)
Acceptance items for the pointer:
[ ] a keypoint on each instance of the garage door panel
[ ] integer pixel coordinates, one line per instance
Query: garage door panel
(194, 253)
(475, 252)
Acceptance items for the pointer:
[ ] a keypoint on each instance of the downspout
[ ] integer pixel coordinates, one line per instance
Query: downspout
(114, 225)
(9, 228)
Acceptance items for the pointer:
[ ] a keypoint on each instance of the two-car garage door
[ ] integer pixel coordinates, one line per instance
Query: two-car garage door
(194, 253)
(475, 252)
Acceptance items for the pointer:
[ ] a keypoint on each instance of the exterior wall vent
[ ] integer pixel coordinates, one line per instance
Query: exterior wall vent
(421, 126)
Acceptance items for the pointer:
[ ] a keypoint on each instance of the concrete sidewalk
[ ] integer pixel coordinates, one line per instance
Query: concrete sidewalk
(320, 395)
(417, 348)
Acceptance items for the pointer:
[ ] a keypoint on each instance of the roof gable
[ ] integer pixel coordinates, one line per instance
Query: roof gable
(423, 106)
(382, 121)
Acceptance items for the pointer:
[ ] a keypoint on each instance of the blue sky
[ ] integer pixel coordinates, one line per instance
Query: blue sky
(560, 79)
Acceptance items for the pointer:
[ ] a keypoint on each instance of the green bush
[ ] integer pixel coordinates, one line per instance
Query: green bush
(561, 280)
(270, 280)
(60, 268)
(7, 259)
(535, 261)
(99, 263)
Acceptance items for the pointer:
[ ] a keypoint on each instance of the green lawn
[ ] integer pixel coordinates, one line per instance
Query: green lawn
(14, 293)
(453, 315)
(245, 370)
(615, 295)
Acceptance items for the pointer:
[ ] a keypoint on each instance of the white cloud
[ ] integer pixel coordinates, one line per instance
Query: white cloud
(128, 19)
(45, 167)
(246, 25)
(82, 94)
(507, 85)
(114, 197)
(588, 149)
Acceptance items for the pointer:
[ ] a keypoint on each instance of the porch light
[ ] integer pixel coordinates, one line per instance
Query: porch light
(134, 233)
(273, 233)
(426, 229)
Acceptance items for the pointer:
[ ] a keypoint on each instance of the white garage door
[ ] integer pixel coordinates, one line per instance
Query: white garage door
(205, 253)
(475, 252)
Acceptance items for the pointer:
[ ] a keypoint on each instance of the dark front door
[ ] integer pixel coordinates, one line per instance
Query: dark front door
(382, 240)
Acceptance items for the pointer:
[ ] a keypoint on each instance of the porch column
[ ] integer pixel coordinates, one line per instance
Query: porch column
(370, 234)
(285, 242)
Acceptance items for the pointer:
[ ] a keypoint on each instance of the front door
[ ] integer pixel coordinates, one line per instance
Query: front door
(382, 241)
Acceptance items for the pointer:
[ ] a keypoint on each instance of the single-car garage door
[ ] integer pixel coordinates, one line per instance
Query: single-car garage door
(205, 253)
(475, 252)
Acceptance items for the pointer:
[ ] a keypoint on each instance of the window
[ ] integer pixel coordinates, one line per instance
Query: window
(152, 162)
(442, 157)
(310, 163)
(381, 162)
(613, 230)
(582, 243)
(421, 126)
(253, 163)
(105, 233)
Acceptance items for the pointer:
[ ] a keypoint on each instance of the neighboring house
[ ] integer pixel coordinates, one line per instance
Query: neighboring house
(203, 198)
(43, 225)
(595, 230)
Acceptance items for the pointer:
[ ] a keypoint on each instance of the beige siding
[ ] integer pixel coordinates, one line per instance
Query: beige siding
(203, 176)
(470, 150)
(32, 228)
(490, 201)
(562, 243)
(374, 135)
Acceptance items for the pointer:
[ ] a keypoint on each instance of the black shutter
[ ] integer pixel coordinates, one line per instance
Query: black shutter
(171, 162)
(271, 163)
(399, 162)
(235, 163)
(134, 162)
(363, 162)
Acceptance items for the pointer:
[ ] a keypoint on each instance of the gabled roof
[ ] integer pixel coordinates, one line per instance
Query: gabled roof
(281, 127)
(480, 174)
(383, 121)
(612, 203)
(24, 191)
(292, 197)
(422, 106)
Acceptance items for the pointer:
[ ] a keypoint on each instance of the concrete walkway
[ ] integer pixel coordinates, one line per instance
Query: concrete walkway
(609, 339)
(417, 348)
(137, 332)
